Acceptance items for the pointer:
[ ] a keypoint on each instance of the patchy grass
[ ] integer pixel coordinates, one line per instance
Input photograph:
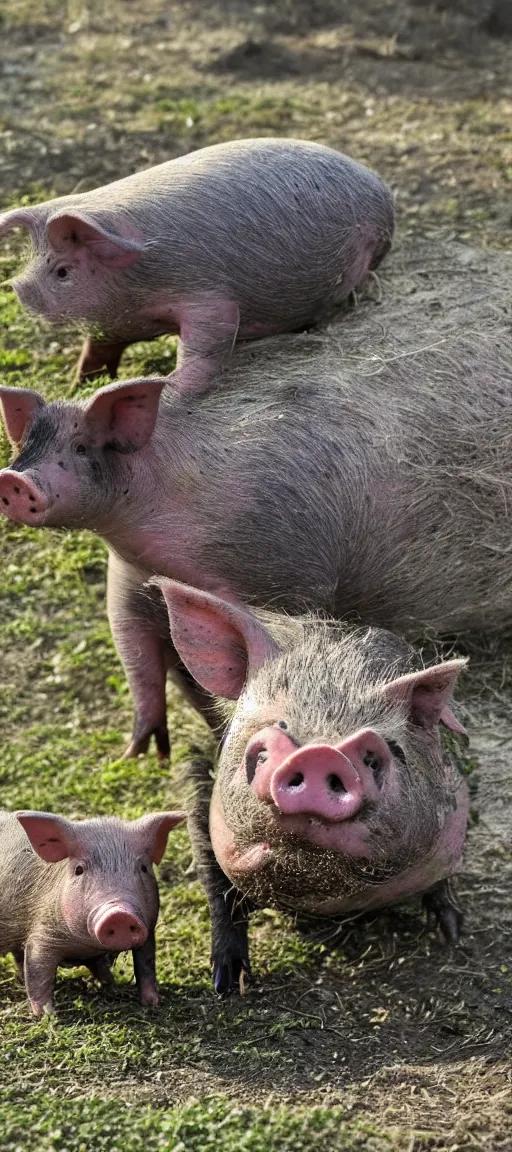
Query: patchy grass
(208, 1125)
(360, 1036)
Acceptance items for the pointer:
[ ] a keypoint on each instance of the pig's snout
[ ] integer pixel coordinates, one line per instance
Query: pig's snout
(20, 498)
(118, 928)
(317, 780)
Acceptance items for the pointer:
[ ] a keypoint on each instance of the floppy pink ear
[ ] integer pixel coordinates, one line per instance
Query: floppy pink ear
(18, 218)
(52, 837)
(18, 407)
(427, 694)
(122, 416)
(69, 230)
(220, 643)
(152, 831)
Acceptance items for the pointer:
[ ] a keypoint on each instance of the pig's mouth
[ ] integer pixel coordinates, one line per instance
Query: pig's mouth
(291, 873)
(301, 862)
(290, 862)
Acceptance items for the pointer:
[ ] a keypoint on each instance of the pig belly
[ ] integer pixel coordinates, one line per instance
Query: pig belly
(173, 555)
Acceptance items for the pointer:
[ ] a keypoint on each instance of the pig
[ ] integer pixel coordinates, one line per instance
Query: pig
(240, 239)
(74, 892)
(369, 486)
(333, 793)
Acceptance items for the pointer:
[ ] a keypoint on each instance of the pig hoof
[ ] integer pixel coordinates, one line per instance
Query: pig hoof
(230, 973)
(136, 748)
(99, 967)
(40, 1010)
(148, 995)
(139, 745)
(443, 912)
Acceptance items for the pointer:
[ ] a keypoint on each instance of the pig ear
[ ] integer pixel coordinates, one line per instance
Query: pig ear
(427, 694)
(68, 231)
(122, 416)
(153, 831)
(219, 642)
(18, 407)
(18, 218)
(52, 837)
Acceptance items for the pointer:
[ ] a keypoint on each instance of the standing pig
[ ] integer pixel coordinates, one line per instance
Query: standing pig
(241, 239)
(85, 891)
(309, 480)
(333, 792)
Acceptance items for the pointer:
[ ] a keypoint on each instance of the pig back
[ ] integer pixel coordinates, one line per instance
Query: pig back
(284, 227)
(364, 470)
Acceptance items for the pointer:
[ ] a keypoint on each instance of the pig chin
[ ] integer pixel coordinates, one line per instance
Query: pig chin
(302, 866)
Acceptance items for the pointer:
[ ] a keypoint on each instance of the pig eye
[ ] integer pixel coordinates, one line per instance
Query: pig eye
(79, 870)
(396, 751)
(80, 449)
(62, 273)
(143, 867)
(253, 757)
(282, 724)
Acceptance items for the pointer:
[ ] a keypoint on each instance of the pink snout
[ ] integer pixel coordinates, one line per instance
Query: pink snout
(117, 927)
(20, 499)
(317, 780)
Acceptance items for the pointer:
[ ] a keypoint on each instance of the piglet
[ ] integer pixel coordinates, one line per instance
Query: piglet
(79, 892)
(240, 239)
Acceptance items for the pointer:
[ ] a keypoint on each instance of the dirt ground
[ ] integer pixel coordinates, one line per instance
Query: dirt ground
(379, 1020)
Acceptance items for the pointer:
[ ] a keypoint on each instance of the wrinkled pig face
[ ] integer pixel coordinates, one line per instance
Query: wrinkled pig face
(72, 464)
(107, 888)
(332, 783)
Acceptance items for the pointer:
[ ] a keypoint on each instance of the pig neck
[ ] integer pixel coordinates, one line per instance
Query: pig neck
(135, 519)
(150, 524)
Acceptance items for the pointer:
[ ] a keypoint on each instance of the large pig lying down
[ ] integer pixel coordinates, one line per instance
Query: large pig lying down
(307, 480)
(332, 792)
(244, 238)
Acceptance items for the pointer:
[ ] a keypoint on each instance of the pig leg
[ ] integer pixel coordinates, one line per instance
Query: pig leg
(140, 628)
(443, 912)
(19, 960)
(98, 357)
(208, 331)
(142, 652)
(198, 697)
(40, 972)
(99, 967)
(145, 974)
(228, 910)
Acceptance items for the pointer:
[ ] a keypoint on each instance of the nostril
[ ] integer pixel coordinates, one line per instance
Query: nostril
(296, 780)
(133, 927)
(334, 784)
(376, 765)
(17, 490)
(4, 500)
(111, 932)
